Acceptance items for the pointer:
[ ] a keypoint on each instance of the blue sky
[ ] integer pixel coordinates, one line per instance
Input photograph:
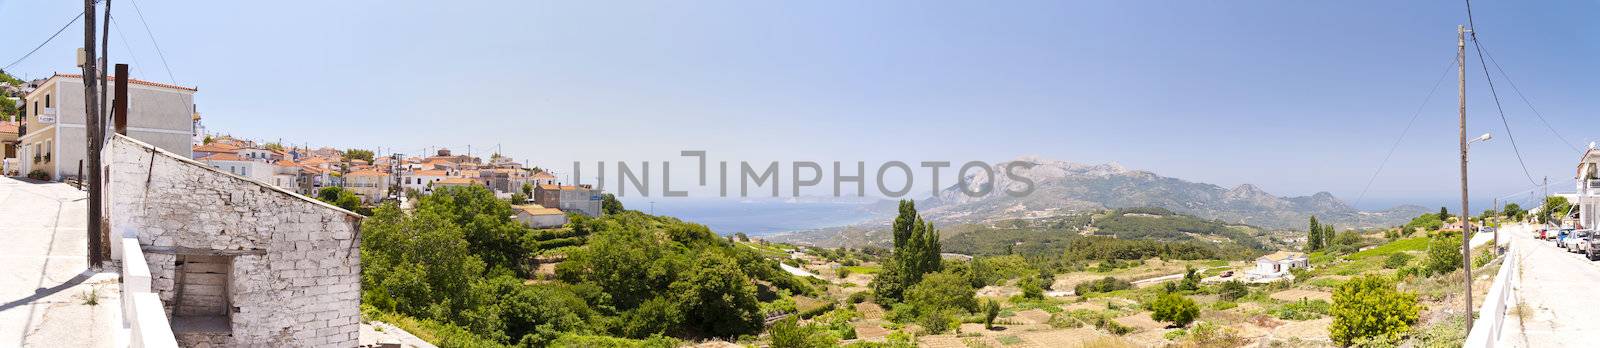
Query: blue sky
(1294, 97)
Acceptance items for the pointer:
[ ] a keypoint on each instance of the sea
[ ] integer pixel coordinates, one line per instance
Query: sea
(757, 217)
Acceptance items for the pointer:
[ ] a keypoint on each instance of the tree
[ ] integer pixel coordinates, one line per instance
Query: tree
(1191, 280)
(1314, 237)
(915, 254)
(358, 154)
(1233, 290)
(1444, 214)
(1554, 209)
(527, 189)
(1370, 306)
(1444, 253)
(1513, 211)
(610, 205)
(273, 146)
(940, 295)
(717, 298)
(1175, 309)
(340, 197)
(788, 333)
(991, 310)
(1031, 288)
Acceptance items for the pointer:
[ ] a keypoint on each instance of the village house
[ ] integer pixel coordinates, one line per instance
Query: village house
(233, 164)
(582, 199)
(213, 148)
(371, 185)
(1275, 266)
(536, 216)
(55, 138)
(8, 147)
(422, 181)
(456, 182)
(228, 262)
(1587, 198)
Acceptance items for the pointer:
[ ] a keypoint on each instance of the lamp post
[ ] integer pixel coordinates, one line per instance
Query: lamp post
(1465, 224)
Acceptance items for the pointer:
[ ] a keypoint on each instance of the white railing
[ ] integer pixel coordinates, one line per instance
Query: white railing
(142, 314)
(1490, 326)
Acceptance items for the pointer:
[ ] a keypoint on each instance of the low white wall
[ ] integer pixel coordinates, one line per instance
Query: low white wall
(1490, 326)
(142, 313)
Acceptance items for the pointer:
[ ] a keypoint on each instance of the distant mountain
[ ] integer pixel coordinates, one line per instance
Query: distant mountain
(1062, 187)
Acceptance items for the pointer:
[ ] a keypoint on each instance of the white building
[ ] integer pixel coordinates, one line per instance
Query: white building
(159, 114)
(1587, 198)
(1276, 266)
(231, 163)
(422, 180)
(537, 216)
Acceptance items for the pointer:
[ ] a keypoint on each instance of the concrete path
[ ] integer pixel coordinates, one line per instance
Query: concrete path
(45, 281)
(1560, 292)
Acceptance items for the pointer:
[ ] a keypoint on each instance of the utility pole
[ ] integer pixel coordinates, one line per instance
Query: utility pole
(1466, 237)
(92, 118)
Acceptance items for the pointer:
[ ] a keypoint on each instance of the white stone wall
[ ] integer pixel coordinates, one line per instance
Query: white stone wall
(296, 272)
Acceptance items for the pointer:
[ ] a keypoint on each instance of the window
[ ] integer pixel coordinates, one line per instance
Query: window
(47, 100)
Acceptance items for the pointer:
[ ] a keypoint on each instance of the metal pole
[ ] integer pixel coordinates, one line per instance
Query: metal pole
(1466, 238)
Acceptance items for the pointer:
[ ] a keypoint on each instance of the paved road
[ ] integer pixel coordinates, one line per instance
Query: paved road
(1561, 292)
(44, 273)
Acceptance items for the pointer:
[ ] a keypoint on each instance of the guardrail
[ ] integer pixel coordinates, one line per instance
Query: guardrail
(142, 313)
(1490, 326)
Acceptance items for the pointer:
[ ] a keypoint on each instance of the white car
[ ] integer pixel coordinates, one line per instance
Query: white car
(1578, 240)
(1586, 243)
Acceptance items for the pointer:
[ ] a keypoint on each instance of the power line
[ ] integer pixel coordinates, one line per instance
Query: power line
(1490, 80)
(124, 41)
(1523, 96)
(46, 41)
(1406, 130)
(154, 43)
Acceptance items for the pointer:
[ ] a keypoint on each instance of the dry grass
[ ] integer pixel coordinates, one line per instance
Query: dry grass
(1107, 342)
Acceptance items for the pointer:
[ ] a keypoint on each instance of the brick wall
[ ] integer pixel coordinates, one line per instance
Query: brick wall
(295, 276)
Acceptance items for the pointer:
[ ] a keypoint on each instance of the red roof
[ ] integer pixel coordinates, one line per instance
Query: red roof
(223, 157)
(216, 147)
(8, 127)
(134, 81)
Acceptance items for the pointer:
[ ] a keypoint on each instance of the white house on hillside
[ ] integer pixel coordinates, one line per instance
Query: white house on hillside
(1276, 266)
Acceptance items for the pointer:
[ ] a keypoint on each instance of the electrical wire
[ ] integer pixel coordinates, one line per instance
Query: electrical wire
(125, 46)
(1524, 97)
(153, 42)
(1492, 92)
(46, 41)
(1406, 130)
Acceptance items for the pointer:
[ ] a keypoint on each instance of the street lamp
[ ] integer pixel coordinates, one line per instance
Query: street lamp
(1466, 224)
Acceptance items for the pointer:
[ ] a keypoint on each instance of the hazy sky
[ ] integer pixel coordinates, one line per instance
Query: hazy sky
(1295, 97)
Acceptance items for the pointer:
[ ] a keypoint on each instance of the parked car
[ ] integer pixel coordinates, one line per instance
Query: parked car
(1541, 234)
(1585, 243)
(1561, 238)
(1575, 240)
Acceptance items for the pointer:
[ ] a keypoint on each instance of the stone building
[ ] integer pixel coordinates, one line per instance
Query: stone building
(236, 262)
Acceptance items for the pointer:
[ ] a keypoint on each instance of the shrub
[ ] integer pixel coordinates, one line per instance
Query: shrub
(991, 310)
(1107, 284)
(1371, 306)
(1031, 288)
(788, 333)
(859, 297)
(1301, 310)
(1224, 305)
(1444, 254)
(38, 175)
(1397, 260)
(1232, 290)
(1175, 309)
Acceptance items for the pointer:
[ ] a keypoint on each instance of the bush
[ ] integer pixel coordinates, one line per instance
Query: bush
(1444, 254)
(1301, 310)
(1371, 306)
(38, 175)
(991, 310)
(859, 297)
(1031, 288)
(1107, 284)
(788, 333)
(1232, 290)
(1175, 309)
(1397, 260)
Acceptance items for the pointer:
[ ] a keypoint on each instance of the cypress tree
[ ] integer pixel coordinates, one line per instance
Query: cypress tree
(1314, 235)
(903, 223)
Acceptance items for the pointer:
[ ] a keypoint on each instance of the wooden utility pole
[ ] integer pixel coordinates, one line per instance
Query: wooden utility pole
(1466, 227)
(92, 118)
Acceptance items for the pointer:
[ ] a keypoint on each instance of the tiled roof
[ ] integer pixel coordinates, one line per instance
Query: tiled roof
(430, 173)
(223, 157)
(535, 209)
(287, 163)
(8, 127)
(456, 181)
(133, 81)
(216, 147)
(543, 175)
(557, 187)
(367, 173)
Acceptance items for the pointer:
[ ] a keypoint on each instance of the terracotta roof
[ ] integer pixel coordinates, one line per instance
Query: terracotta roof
(8, 127)
(216, 147)
(557, 187)
(430, 173)
(133, 81)
(456, 181)
(223, 157)
(287, 163)
(535, 209)
(543, 175)
(367, 173)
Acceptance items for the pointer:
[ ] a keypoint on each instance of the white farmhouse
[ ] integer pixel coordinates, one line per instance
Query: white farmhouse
(1276, 266)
